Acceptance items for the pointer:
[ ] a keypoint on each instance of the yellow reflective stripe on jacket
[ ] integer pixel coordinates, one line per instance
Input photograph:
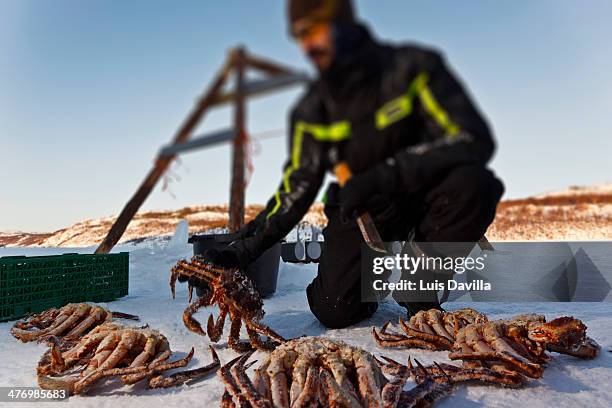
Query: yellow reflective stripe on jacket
(334, 132)
(400, 107)
(393, 111)
(436, 111)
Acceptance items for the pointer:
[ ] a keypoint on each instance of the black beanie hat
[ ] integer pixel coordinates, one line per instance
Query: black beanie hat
(337, 11)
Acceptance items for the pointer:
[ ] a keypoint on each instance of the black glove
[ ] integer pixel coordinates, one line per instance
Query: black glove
(228, 257)
(359, 193)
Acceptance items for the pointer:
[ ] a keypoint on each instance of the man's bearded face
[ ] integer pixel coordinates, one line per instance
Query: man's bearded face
(316, 41)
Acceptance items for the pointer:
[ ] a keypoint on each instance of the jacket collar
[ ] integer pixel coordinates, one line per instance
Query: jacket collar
(357, 59)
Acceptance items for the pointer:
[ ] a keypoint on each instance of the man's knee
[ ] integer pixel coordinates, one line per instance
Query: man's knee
(462, 205)
(336, 313)
(473, 184)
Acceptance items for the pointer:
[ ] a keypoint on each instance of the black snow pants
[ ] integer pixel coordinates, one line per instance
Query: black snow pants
(457, 208)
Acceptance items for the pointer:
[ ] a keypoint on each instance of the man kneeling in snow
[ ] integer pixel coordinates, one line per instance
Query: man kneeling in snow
(415, 143)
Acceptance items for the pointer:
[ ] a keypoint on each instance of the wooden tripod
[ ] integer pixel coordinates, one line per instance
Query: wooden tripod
(237, 63)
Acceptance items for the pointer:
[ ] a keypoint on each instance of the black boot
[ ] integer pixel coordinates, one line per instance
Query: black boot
(422, 299)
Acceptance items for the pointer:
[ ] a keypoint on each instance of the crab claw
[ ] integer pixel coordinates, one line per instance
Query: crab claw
(191, 323)
(50, 383)
(57, 360)
(448, 378)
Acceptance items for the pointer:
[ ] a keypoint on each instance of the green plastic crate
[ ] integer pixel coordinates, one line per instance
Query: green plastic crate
(34, 284)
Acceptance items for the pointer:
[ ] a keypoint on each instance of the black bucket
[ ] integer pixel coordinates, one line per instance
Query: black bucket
(263, 272)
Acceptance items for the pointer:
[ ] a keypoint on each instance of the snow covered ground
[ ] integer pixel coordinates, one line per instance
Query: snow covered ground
(567, 382)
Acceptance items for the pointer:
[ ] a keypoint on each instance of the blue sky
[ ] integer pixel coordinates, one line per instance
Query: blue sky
(89, 91)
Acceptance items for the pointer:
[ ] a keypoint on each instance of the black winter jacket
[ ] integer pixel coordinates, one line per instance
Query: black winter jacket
(398, 104)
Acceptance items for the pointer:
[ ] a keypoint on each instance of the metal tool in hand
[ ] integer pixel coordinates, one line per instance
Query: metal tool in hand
(366, 224)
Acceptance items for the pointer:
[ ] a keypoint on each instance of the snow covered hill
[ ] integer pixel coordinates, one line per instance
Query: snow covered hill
(145, 225)
(577, 213)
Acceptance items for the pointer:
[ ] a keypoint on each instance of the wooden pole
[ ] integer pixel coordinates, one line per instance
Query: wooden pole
(236, 207)
(265, 65)
(161, 164)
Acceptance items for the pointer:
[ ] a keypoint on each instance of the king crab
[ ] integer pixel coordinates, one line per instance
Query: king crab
(520, 344)
(517, 345)
(71, 321)
(312, 371)
(235, 295)
(111, 350)
(315, 371)
(429, 329)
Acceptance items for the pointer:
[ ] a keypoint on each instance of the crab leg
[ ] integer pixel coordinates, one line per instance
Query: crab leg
(510, 378)
(335, 366)
(127, 316)
(309, 397)
(266, 331)
(231, 387)
(452, 324)
(368, 383)
(392, 390)
(454, 374)
(147, 353)
(211, 269)
(126, 343)
(215, 329)
(163, 354)
(426, 393)
(198, 268)
(470, 337)
(298, 377)
(246, 387)
(189, 292)
(261, 381)
(530, 369)
(524, 346)
(256, 341)
(234, 337)
(81, 310)
(191, 323)
(386, 339)
(336, 397)
(435, 319)
(19, 330)
(103, 351)
(278, 377)
(442, 341)
(184, 376)
(226, 400)
(64, 313)
(96, 314)
(420, 321)
(44, 319)
(474, 339)
(85, 382)
(492, 336)
(39, 321)
(60, 362)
